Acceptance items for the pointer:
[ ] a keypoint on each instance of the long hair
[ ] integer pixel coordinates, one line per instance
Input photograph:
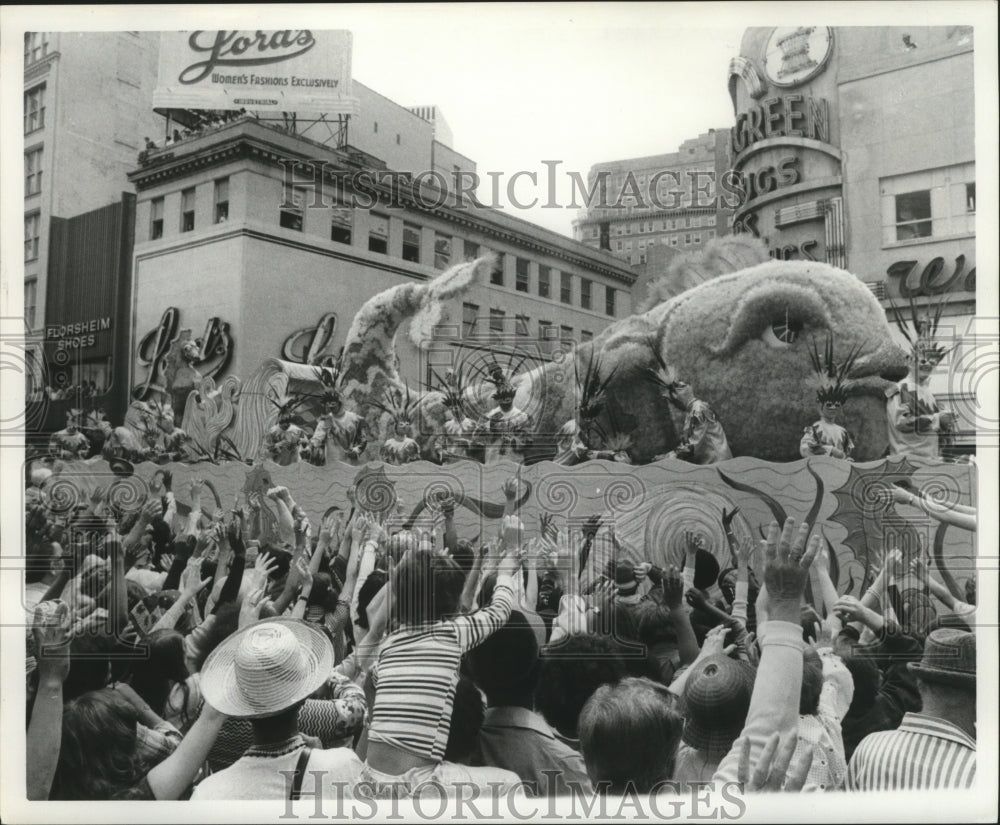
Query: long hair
(154, 677)
(97, 754)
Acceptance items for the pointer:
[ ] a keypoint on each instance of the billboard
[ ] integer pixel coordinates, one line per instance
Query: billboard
(280, 71)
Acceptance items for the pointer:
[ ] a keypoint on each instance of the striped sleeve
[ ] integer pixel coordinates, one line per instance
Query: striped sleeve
(474, 628)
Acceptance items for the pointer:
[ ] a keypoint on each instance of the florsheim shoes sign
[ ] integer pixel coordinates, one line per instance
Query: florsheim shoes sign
(281, 71)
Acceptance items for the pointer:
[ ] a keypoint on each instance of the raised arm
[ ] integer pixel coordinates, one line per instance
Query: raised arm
(51, 631)
(953, 514)
(174, 775)
(774, 703)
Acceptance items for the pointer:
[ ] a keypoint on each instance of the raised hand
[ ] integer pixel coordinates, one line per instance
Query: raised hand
(849, 609)
(510, 488)
(546, 526)
(191, 580)
(592, 525)
(195, 488)
(51, 629)
(512, 531)
(715, 641)
(251, 607)
(786, 570)
(894, 565)
(696, 599)
(642, 570)
(263, 567)
(771, 773)
(673, 588)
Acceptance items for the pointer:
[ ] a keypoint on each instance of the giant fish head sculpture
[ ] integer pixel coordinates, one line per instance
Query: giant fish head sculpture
(742, 342)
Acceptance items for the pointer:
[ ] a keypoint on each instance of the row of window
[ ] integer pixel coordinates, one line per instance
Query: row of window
(944, 205)
(292, 216)
(220, 209)
(519, 326)
(688, 239)
(34, 109)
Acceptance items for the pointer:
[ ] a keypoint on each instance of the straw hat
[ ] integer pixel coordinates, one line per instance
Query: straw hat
(266, 667)
(716, 701)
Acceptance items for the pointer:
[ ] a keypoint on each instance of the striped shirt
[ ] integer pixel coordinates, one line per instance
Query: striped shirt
(923, 753)
(417, 672)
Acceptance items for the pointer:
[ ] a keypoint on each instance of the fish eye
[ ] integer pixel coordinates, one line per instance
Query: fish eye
(782, 332)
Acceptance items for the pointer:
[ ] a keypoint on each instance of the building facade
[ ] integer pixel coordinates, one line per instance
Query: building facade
(77, 155)
(856, 146)
(281, 260)
(670, 200)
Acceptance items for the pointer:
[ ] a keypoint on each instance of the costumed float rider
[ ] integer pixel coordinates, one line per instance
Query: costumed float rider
(340, 434)
(284, 441)
(69, 442)
(703, 441)
(454, 443)
(505, 430)
(401, 447)
(826, 436)
(917, 425)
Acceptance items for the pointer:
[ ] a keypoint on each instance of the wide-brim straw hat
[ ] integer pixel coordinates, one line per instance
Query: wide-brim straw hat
(267, 667)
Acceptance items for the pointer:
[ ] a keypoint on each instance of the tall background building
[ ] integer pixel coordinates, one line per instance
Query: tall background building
(857, 146)
(681, 210)
(86, 112)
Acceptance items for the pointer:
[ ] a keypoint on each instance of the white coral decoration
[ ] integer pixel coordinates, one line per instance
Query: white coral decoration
(449, 284)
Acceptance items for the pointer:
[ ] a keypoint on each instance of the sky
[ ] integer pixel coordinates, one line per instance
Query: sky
(520, 85)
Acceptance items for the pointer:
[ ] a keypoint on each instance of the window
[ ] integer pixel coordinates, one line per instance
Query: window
(936, 203)
(399, 139)
(586, 335)
(470, 250)
(545, 331)
(470, 312)
(30, 302)
(442, 250)
(411, 243)
(585, 293)
(32, 228)
(522, 326)
(155, 218)
(496, 275)
(496, 322)
(711, 234)
(222, 200)
(34, 109)
(292, 211)
(36, 46)
(341, 224)
(378, 233)
(618, 246)
(696, 238)
(376, 126)
(566, 288)
(565, 333)
(673, 240)
(32, 172)
(521, 275)
(609, 300)
(687, 239)
(913, 215)
(544, 282)
(187, 210)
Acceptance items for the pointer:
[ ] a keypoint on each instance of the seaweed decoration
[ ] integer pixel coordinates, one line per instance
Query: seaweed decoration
(777, 511)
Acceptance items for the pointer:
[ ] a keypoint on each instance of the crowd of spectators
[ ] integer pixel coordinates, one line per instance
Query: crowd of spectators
(176, 654)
